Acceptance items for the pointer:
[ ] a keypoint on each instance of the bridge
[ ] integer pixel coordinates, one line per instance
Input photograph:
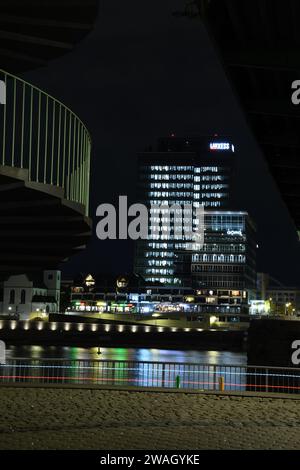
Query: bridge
(258, 42)
(33, 32)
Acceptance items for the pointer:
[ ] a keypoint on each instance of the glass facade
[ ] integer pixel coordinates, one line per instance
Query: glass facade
(191, 173)
(227, 258)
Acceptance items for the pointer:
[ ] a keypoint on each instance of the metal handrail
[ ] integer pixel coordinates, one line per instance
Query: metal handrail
(42, 135)
(199, 364)
(59, 359)
(151, 374)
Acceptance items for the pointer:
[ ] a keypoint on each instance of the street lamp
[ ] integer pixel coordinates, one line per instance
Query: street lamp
(286, 307)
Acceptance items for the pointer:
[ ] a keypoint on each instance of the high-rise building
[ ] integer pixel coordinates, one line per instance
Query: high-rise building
(193, 172)
(224, 268)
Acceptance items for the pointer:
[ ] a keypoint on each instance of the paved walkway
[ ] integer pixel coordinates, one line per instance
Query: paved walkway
(41, 418)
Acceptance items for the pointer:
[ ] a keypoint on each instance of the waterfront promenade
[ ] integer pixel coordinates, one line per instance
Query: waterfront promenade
(91, 418)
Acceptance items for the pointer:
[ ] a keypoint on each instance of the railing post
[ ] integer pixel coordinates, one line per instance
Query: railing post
(30, 135)
(23, 124)
(46, 140)
(4, 127)
(221, 384)
(215, 377)
(163, 378)
(14, 124)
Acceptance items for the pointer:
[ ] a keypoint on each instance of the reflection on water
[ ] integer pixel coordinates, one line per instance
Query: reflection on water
(129, 354)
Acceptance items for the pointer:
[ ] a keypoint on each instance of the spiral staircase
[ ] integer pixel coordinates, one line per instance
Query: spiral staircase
(44, 147)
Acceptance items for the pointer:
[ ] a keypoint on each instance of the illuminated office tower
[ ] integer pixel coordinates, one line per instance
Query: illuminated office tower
(189, 172)
(224, 268)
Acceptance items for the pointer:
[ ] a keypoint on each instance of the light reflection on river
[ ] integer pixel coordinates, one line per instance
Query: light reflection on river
(126, 354)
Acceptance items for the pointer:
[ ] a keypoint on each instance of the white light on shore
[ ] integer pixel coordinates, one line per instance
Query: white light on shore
(94, 327)
(107, 328)
(120, 328)
(13, 325)
(53, 326)
(67, 326)
(80, 327)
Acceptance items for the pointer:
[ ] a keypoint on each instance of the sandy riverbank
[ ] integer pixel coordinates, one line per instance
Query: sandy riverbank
(56, 418)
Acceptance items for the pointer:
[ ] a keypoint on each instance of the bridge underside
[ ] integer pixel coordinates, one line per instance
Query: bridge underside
(32, 32)
(39, 229)
(259, 43)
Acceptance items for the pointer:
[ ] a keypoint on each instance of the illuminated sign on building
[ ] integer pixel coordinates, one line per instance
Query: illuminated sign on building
(234, 233)
(221, 146)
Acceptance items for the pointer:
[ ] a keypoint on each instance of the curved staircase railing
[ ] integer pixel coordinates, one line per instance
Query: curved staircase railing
(42, 135)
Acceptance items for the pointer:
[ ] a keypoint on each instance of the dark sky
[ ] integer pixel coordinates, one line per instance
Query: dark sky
(141, 74)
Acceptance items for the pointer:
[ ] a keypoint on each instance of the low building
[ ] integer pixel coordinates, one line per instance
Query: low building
(24, 295)
(279, 299)
(129, 294)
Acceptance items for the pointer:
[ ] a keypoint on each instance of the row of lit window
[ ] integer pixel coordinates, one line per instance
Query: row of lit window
(168, 246)
(159, 254)
(157, 263)
(210, 195)
(170, 194)
(163, 280)
(205, 169)
(230, 248)
(179, 202)
(171, 186)
(210, 178)
(186, 236)
(172, 229)
(210, 187)
(171, 168)
(186, 168)
(217, 269)
(228, 219)
(215, 204)
(219, 258)
(175, 177)
(188, 186)
(162, 272)
(172, 220)
(186, 211)
(161, 246)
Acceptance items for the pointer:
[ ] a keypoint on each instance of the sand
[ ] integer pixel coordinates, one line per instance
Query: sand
(66, 418)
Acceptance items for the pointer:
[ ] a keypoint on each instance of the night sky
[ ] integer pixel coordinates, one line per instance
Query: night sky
(141, 74)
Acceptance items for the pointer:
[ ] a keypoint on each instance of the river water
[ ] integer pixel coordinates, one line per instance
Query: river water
(129, 354)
